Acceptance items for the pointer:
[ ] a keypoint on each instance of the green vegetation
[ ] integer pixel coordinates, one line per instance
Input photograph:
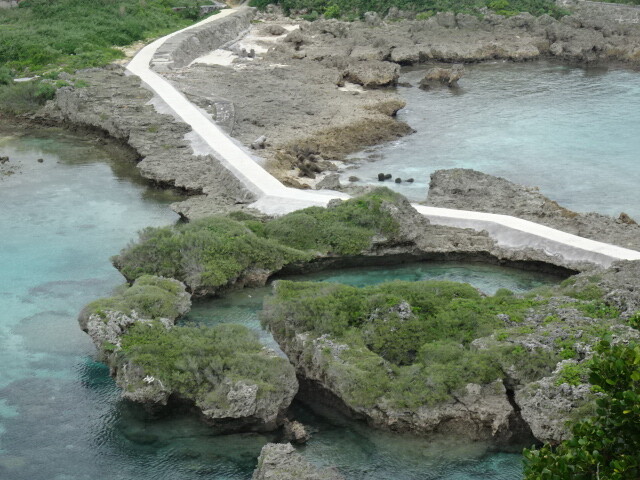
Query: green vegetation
(22, 97)
(210, 253)
(574, 373)
(350, 9)
(345, 229)
(607, 445)
(151, 297)
(194, 361)
(408, 342)
(44, 35)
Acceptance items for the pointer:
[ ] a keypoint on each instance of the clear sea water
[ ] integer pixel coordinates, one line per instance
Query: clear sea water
(573, 132)
(60, 413)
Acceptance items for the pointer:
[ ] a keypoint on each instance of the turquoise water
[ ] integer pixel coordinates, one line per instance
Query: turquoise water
(60, 413)
(571, 131)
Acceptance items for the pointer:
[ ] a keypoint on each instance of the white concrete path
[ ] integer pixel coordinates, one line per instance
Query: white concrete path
(274, 198)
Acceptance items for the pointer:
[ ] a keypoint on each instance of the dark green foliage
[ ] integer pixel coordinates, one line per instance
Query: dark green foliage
(606, 446)
(409, 342)
(424, 8)
(150, 297)
(344, 229)
(5, 76)
(45, 34)
(210, 253)
(22, 97)
(192, 361)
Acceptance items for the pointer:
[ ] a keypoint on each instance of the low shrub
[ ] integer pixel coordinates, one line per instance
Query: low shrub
(210, 253)
(409, 342)
(151, 297)
(193, 361)
(606, 445)
(21, 97)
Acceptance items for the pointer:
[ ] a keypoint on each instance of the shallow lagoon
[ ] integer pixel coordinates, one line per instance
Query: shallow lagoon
(573, 132)
(60, 414)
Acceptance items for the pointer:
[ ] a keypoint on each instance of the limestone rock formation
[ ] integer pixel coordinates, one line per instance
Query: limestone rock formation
(442, 76)
(280, 461)
(372, 73)
(107, 320)
(295, 432)
(468, 189)
(129, 328)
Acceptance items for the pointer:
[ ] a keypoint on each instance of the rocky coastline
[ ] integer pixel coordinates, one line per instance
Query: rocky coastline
(311, 91)
(339, 58)
(467, 189)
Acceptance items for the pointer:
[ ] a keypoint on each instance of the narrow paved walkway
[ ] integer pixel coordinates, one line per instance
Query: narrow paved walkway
(276, 199)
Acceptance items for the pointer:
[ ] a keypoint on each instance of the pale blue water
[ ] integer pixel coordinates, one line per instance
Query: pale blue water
(572, 132)
(60, 413)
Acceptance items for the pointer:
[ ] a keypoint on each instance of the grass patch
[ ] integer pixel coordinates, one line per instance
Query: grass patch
(194, 361)
(41, 35)
(210, 253)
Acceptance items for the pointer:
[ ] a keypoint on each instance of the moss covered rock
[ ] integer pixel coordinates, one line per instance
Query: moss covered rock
(216, 253)
(233, 380)
(439, 356)
(150, 298)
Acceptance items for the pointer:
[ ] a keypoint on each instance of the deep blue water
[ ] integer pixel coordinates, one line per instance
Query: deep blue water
(573, 132)
(60, 413)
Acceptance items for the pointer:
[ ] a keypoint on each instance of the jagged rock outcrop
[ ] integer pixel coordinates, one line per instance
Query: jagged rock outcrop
(372, 73)
(477, 412)
(468, 189)
(280, 461)
(442, 76)
(295, 432)
(107, 320)
(548, 406)
(130, 330)
(620, 285)
(539, 354)
(118, 105)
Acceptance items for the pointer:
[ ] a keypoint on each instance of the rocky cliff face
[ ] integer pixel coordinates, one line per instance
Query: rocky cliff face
(229, 399)
(543, 357)
(467, 189)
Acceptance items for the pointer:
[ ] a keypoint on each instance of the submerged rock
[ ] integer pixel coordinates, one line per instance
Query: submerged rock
(295, 432)
(442, 76)
(280, 461)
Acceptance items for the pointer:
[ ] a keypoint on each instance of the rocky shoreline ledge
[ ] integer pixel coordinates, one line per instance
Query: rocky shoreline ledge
(312, 92)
